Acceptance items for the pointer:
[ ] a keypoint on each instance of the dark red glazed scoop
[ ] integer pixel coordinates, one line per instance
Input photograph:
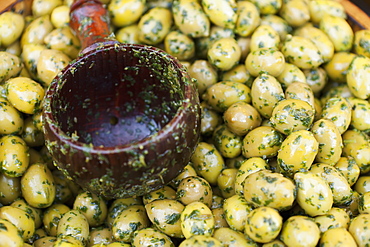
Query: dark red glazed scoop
(123, 119)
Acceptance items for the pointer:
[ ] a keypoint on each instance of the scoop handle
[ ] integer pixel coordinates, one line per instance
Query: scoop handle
(90, 22)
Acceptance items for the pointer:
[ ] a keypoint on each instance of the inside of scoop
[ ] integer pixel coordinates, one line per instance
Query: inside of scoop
(118, 96)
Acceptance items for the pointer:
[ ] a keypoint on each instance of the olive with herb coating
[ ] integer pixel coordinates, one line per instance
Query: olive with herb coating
(238, 74)
(100, 236)
(291, 115)
(128, 34)
(349, 169)
(361, 42)
(10, 189)
(197, 219)
(335, 218)
(36, 31)
(9, 234)
(265, 60)
(338, 110)
(248, 166)
(190, 18)
(224, 53)
(227, 143)
(92, 207)
(360, 115)
(118, 205)
(360, 230)
(263, 224)
(319, 8)
(295, 12)
(319, 38)
(266, 92)
(151, 237)
(75, 225)
(300, 230)
(226, 182)
(337, 237)
(337, 67)
(24, 94)
(232, 238)
(200, 241)
(358, 75)
(11, 28)
(301, 52)
(166, 192)
(52, 216)
(31, 135)
(221, 95)
(313, 193)
(34, 213)
(248, 18)
(193, 189)
(165, 215)
(302, 91)
(63, 39)
(14, 157)
(124, 13)
(316, 78)
(149, 22)
(267, 188)
(263, 141)
(10, 66)
(38, 186)
(128, 221)
(339, 32)
(341, 190)
(329, 140)
(264, 36)
(242, 117)
(290, 74)
(59, 17)
(236, 210)
(204, 73)
(207, 162)
(179, 45)
(220, 12)
(22, 220)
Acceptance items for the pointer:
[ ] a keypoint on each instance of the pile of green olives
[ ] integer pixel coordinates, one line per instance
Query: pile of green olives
(284, 155)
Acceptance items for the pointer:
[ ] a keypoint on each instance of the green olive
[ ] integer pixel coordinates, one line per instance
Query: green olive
(291, 115)
(266, 188)
(342, 192)
(337, 237)
(236, 210)
(128, 221)
(165, 192)
(38, 186)
(73, 224)
(313, 193)
(92, 207)
(52, 216)
(300, 230)
(221, 95)
(359, 229)
(263, 141)
(335, 218)
(14, 157)
(263, 224)
(194, 189)
(242, 117)
(207, 162)
(197, 219)
(165, 215)
(266, 92)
